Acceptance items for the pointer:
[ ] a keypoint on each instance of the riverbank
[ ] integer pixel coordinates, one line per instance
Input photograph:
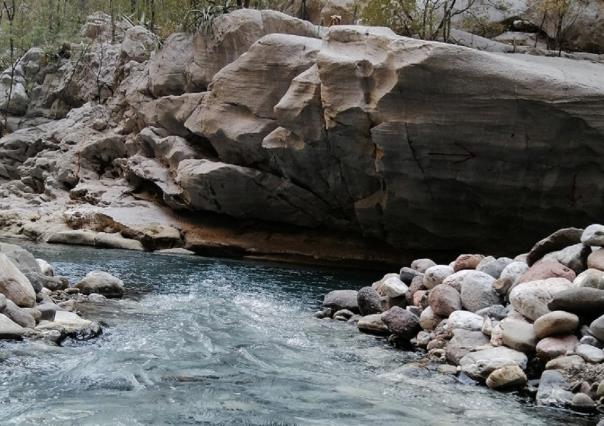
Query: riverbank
(37, 305)
(219, 341)
(532, 324)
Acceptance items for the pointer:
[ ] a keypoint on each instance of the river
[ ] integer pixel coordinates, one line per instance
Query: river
(217, 342)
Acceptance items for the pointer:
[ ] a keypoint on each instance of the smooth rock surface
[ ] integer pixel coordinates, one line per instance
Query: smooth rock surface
(102, 283)
(444, 300)
(555, 323)
(531, 299)
(480, 364)
(477, 291)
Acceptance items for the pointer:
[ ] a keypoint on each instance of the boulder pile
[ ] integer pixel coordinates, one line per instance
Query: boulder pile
(533, 323)
(36, 304)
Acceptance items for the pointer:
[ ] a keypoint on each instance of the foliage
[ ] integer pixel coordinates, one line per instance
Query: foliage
(426, 19)
(559, 16)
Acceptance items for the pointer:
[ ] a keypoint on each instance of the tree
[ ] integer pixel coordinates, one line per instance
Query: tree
(425, 19)
(559, 17)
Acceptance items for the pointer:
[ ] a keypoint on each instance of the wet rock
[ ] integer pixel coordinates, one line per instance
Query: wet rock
(508, 377)
(554, 242)
(597, 328)
(40, 281)
(519, 335)
(369, 301)
(553, 347)
(545, 269)
(401, 322)
(565, 362)
(590, 353)
(596, 260)
(421, 265)
(477, 291)
(341, 315)
(478, 365)
(428, 320)
(48, 310)
(406, 275)
(553, 390)
(465, 320)
(99, 298)
(593, 235)
(583, 402)
(373, 324)
(495, 267)
(14, 285)
(583, 301)
(392, 289)
(110, 286)
(555, 323)
(467, 261)
(444, 300)
(72, 325)
(341, 299)
(9, 329)
(531, 298)
(436, 274)
(45, 267)
(464, 342)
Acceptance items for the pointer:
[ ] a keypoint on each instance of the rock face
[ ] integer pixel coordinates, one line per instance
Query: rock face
(278, 124)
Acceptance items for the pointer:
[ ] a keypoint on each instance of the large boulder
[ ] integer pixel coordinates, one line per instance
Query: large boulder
(105, 284)
(14, 285)
(531, 298)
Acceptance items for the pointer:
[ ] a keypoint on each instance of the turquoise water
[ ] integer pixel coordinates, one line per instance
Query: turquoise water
(214, 342)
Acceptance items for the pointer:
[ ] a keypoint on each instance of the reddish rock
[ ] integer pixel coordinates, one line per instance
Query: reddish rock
(467, 261)
(553, 347)
(444, 300)
(546, 269)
